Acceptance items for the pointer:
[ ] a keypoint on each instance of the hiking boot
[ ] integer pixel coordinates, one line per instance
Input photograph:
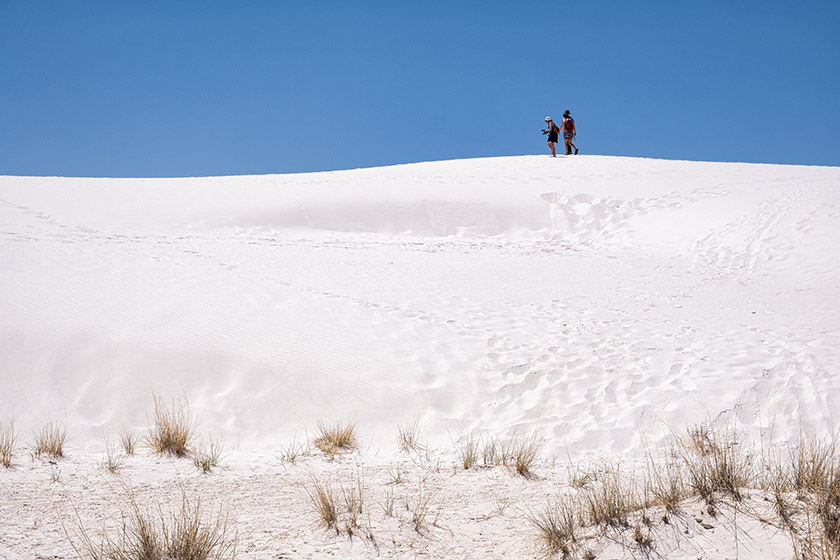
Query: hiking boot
(576, 151)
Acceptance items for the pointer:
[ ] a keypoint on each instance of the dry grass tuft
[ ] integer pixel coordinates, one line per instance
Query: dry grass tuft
(719, 467)
(610, 502)
(420, 509)
(185, 534)
(128, 441)
(468, 454)
(666, 486)
(408, 436)
(207, 455)
(324, 499)
(172, 427)
(521, 454)
(337, 439)
(814, 463)
(7, 443)
(555, 525)
(50, 441)
(113, 461)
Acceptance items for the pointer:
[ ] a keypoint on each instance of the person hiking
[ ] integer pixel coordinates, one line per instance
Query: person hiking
(569, 132)
(552, 132)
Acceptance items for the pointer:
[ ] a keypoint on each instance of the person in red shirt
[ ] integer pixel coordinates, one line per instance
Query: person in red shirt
(569, 132)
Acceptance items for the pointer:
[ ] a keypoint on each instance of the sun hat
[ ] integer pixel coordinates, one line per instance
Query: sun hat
(547, 119)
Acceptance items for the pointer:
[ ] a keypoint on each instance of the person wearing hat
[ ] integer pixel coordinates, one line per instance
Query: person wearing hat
(569, 132)
(552, 131)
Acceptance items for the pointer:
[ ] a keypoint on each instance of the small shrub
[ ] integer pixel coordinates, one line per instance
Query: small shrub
(50, 441)
(7, 443)
(337, 439)
(172, 427)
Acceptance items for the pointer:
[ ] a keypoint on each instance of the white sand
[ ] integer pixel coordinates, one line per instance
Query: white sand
(599, 303)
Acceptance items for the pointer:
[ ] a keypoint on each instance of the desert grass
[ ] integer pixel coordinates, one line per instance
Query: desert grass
(49, 441)
(291, 452)
(354, 505)
(408, 436)
(7, 443)
(172, 427)
(336, 439)
(468, 454)
(665, 485)
(555, 526)
(611, 502)
(419, 509)
(325, 502)
(718, 466)
(114, 461)
(521, 454)
(128, 441)
(207, 454)
(186, 533)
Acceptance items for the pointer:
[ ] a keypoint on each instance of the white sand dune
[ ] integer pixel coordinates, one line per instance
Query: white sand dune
(601, 303)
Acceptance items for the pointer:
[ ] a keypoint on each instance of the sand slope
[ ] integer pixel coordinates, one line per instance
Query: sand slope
(592, 300)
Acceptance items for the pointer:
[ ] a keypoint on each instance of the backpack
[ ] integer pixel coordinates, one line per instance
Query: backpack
(569, 124)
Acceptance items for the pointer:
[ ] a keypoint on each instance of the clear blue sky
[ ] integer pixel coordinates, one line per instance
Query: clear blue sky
(175, 88)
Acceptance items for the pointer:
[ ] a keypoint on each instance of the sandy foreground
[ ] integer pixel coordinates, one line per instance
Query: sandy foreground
(602, 306)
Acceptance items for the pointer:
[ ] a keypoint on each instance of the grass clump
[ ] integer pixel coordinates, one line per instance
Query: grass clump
(207, 455)
(172, 427)
(342, 512)
(610, 503)
(7, 443)
(325, 501)
(719, 466)
(128, 441)
(521, 454)
(184, 534)
(555, 526)
(408, 436)
(113, 462)
(468, 454)
(50, 441)
(337, 439)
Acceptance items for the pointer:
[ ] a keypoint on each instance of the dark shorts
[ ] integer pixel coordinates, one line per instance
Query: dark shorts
(552, 137)
(568, 134)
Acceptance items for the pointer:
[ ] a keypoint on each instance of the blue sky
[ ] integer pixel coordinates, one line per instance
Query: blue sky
(175, 88)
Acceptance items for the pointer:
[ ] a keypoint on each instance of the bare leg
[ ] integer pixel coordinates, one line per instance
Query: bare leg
(551, 147)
